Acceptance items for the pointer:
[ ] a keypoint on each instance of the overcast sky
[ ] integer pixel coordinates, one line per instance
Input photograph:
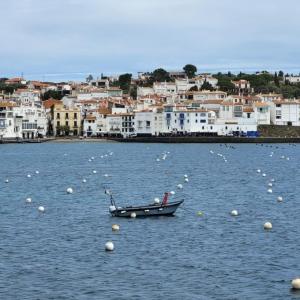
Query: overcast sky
(114, 36)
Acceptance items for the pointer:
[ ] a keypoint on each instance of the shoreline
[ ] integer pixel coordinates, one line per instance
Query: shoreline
(209, 140)
(164, 140)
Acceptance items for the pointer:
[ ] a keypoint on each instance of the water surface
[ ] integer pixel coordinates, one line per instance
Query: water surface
(60, 254)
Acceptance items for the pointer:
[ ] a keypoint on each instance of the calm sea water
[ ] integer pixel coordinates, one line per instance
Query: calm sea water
(60, 254)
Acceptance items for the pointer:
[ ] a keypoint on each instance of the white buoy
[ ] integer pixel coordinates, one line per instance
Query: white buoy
(69, 190)
(105, 175)
(287, 158)
(84, 180)
(264, 175)
(279, 199)
(157, 159)
(109, 246)
(186, 180)
(101, 156)
(180, 186)
(283, 157)
(37, 172)
(172, 193)
(90, 160)
(156, 200)
(28, 200)
(296, 284)
(6, 181)
(41, 209)
(272, 180)
(94, 172)
(185, 176)
(258, 171)
(268, 226)
(270, 184)
(28, 175)
(115, 227)
(133, 215)
(270, 191)
(234, 213)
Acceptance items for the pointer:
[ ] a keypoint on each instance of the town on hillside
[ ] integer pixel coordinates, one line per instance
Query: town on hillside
(158, 103)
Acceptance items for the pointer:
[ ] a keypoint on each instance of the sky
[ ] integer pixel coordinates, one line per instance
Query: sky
(49, 39)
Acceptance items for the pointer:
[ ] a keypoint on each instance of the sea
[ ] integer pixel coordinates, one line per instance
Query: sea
(203, 252)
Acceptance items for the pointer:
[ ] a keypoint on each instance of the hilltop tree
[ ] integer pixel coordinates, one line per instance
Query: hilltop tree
(89, 78)
(125, 81)
(280, 74)
(190, 70)
(206, 86)
(160, 75)
(276, 80)
(52, 94)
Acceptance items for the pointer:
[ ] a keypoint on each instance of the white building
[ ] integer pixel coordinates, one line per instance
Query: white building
(293, 79)
(285, 113)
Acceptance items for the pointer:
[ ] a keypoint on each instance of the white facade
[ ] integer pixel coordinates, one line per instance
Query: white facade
(26, 122)
(144, 91)
(286, 113)
(293, 79)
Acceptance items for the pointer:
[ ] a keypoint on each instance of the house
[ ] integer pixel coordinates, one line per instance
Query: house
(242, 86)
(269, 97)
(293, 79)
(286, 112)
(10, 124)
(66, 120)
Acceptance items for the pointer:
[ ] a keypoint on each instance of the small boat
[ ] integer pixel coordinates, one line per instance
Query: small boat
(164, 208)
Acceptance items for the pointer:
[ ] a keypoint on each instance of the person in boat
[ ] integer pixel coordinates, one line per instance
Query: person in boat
(165, 199)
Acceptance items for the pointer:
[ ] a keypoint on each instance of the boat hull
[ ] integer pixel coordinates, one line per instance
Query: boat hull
(147, 211)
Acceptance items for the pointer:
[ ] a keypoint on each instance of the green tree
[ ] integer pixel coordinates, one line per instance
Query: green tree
(160, 75)
(89, 78)
(52, 94)
(276, 80)
(133, 92)
(190, 70)
(10, 88)
(224, 82)
(206, 86)
(281, 74)
(194, 88)
(125, 82)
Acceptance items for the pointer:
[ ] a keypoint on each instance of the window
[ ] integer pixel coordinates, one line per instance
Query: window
(75, 115)
(203, 115)
(248, 115)
(148, 123)
(196, 115)
(196, 121)
(202, 121)
(202, 127)
(58, 123)
(67, 115)
(278, 105)
(58, 115)
(75, 123)
(67, 123)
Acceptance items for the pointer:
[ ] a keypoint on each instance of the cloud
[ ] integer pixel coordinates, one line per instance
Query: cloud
(52, 36)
